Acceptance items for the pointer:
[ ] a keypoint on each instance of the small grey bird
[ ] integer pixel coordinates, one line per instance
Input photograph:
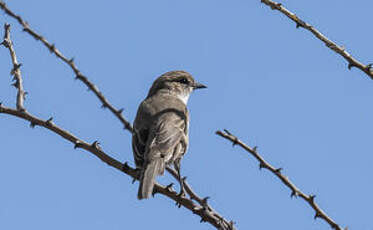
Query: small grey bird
(160, 134)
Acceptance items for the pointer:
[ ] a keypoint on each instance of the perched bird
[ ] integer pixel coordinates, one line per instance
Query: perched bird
(160, 135)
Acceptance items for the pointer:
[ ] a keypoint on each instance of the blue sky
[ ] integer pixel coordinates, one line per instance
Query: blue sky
(270, 84)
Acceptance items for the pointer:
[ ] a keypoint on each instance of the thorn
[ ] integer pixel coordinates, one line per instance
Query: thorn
(235, 141)
(202, 219)
(103, 106)
(120, 110)
(77, 145)
(300, 23)
(96, 145)
(317, 215)
(312, 198)
(184, 178)
(204, 201)
(255, 148)
(261, 165)
(294, 194)
(169, 187)
(350, 65)
(24, 95)
(78, 76)
(4, 43)
(71, 61)
(133, 180)
(52, 48)
(15, 68)
(154, 192)
(32, 124)
(49, 121)
(128, 127)
(278, 170)
(125, 166)
(15, 84)
(369, 67)
(227, 132)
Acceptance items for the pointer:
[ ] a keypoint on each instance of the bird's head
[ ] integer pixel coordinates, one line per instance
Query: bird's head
(177, 83)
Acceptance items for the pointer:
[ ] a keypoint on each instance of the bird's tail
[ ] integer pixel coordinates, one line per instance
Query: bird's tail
(152, 169)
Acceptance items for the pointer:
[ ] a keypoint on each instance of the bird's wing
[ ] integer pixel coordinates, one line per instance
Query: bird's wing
(165, 135)
(139, 140)
(166, 143)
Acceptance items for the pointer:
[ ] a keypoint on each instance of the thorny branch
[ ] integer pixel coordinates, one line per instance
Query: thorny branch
(16, 72)
(78, 75)
(202, 201)
(352, 62)
(295, 192)
(203, 209)
(206, 214)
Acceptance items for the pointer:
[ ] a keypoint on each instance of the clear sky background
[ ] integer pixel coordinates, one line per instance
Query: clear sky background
(270, 84)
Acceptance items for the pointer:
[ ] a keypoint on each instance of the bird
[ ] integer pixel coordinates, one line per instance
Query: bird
(161, 129)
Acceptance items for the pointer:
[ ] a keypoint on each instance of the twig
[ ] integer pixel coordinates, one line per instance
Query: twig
(193, 196)
(16, 72)
(206, 215)
(352, 62)
(295, 192)
(189, 190)
(52, 48)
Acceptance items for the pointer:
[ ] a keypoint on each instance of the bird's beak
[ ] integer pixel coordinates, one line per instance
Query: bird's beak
(199, 86)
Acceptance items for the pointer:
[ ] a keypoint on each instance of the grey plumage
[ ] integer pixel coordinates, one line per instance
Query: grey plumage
(161, 127)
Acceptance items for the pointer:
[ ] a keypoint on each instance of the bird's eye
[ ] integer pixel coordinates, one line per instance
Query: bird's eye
(184, 81)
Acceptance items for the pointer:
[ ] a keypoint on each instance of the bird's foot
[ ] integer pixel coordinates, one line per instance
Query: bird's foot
(182, 192)
(138, 175)
(180, 197)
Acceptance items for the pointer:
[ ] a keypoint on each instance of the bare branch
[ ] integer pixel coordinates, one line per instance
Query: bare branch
(295, 192)
(52, 48)
(206, 215)
(352, 62)
(16, 72)
(189, 190)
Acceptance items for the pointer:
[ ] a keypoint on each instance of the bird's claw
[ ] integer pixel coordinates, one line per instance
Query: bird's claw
(180, 195)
